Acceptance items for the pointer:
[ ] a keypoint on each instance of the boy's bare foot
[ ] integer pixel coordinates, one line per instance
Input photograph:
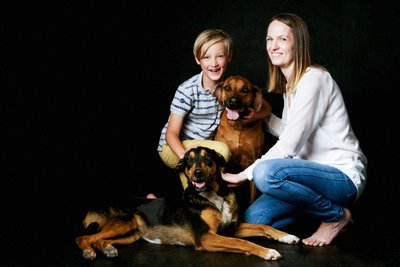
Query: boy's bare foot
(151, 196)
(328, 231)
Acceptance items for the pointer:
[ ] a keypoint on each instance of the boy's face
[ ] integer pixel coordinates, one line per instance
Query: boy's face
(214, 63)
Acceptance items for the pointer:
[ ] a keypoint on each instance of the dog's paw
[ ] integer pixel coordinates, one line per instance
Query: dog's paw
(110, 251)
(89, 254)
(289, 239)
(272, 254)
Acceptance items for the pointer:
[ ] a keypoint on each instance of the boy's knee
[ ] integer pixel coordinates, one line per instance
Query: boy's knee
(225, 151)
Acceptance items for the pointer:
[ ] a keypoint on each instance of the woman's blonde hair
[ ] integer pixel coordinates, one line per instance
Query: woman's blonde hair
(302, 58)
(209, 37)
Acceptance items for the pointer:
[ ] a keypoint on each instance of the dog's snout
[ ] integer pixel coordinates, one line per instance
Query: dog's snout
(234, 102)
(198, 172)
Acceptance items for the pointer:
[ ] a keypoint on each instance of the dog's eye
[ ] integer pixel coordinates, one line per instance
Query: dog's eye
(245, 90)
(207, 159)
(227, 88)
(190, 162)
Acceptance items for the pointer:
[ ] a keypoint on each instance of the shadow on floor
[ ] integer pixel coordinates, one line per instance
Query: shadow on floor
(358, 246)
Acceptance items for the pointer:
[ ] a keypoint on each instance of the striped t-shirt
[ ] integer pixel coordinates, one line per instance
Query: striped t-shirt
(200, 108)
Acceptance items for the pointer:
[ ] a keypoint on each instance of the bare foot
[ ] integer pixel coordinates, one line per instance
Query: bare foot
(328, 231)
(151, 196)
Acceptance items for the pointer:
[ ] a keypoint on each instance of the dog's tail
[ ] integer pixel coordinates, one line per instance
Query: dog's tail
(94, 217)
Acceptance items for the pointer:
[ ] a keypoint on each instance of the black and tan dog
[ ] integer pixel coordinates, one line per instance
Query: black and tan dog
(245, 140)
(206, 218)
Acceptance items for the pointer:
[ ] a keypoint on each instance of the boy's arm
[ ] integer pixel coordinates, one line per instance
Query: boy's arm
(172, 135)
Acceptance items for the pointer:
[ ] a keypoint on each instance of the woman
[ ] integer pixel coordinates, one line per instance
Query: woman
(317, 165)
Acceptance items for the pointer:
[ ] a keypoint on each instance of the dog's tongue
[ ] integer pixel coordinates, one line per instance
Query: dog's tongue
(232, 114)
(199, 185)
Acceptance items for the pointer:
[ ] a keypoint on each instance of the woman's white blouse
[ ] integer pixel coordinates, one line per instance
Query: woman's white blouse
(315, 126)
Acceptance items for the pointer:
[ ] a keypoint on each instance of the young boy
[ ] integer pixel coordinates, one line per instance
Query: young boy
(195, 111)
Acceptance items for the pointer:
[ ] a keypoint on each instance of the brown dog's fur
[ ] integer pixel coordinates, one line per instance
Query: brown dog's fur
(206, 216)
(246, 141)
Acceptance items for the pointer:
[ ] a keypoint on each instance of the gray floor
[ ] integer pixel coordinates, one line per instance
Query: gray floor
(360, 245)
(347, 250)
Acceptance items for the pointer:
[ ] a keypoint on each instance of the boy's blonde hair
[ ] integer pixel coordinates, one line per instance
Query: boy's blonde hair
(209, 37)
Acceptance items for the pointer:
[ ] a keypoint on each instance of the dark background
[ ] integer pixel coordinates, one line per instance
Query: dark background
(86, 88)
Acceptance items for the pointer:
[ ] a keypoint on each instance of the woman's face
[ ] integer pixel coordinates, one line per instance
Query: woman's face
(280, 44)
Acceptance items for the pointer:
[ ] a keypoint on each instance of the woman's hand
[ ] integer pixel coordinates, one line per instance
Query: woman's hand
(234, 180)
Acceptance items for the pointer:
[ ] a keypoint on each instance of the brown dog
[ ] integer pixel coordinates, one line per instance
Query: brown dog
(246, 141)
(207, 213)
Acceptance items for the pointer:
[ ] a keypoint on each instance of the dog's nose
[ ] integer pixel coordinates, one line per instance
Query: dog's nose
(198, 172)
(234, 102)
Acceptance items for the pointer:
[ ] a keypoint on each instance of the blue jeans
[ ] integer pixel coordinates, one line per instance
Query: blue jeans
(289, 186)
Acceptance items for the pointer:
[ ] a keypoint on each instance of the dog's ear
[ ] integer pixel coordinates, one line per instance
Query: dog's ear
(217, 157)
(182, 163)
(180, 167)
(258, 97)
(217, 90)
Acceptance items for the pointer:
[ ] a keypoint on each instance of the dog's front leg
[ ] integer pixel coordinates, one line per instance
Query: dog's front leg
(249, 230)
(217, 243)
